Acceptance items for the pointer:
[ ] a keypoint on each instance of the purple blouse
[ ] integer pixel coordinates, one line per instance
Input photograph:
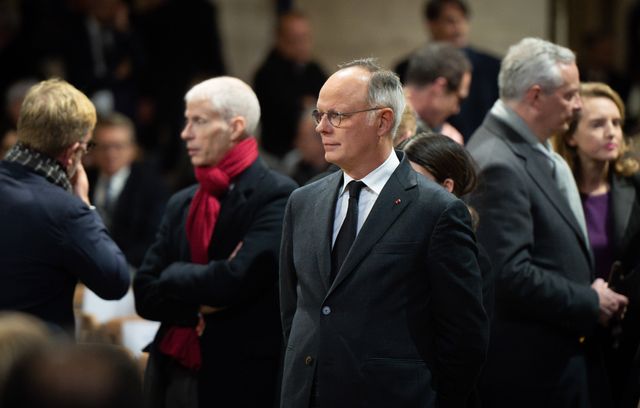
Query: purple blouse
(596, 212)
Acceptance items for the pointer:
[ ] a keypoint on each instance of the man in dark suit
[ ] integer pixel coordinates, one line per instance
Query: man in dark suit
(211, 275)
(127, 193)
(532, 225)
(51, 237)
(395, 319)
(448, 21)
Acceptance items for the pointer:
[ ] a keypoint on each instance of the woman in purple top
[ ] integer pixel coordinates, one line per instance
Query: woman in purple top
(609, 184)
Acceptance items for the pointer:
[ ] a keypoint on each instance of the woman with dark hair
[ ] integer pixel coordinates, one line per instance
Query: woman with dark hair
(609, 183)
(443, 161)
(440, 159)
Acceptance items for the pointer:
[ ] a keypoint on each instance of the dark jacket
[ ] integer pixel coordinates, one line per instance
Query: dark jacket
(543, 269)
(137, 211)
(241, 343)
(50, 239)
(402, 324)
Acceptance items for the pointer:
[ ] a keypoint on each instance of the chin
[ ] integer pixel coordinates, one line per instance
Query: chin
(563, 128)
(331, 158)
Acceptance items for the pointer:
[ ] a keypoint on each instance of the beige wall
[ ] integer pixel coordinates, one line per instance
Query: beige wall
(389, 30)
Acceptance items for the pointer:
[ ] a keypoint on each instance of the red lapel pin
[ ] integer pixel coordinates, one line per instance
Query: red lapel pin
(398, 201)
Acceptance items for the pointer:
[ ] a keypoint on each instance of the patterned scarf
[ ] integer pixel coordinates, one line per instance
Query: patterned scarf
(49, 168)
(182, 343)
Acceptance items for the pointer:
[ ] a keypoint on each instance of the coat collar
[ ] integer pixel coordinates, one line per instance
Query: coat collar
(540, 172)
(394, 198)
(623, 196)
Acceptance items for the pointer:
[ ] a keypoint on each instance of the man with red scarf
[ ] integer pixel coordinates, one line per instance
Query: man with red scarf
(211, 275)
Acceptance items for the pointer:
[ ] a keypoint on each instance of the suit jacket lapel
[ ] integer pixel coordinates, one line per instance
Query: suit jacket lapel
(541, 173)
(393, 199)
(623, 196)
(325, 208)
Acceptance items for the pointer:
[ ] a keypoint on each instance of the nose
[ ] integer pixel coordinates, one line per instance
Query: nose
(577, 103)
(323, 126)
(609, 130)
(186, 131)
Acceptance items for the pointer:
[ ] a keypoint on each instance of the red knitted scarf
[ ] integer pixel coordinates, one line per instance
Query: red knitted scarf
(182, 343)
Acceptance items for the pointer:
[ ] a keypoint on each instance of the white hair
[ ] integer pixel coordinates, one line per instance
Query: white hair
(532, 61)
(230, 97)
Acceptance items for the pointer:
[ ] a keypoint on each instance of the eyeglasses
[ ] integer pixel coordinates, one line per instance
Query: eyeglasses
(88, 146)
(335, 118)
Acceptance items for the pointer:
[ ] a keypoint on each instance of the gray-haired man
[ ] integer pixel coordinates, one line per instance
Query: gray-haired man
(532, 226)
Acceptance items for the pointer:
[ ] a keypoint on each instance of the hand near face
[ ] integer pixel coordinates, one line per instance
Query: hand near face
(80, 183)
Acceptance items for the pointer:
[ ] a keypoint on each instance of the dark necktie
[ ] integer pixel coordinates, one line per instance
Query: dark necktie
(348, 230)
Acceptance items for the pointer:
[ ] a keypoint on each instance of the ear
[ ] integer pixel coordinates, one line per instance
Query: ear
(386, 121)
(533, 94)
(238, 125)
(66, 157)
(441, 84)
(570, 140)
(448, 185)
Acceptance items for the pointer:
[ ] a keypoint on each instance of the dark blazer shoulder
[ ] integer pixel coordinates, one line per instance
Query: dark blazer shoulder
(495, 141)
(625, 208)
(259, 177)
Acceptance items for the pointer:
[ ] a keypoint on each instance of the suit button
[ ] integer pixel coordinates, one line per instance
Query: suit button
(308, 360)
(326, 310)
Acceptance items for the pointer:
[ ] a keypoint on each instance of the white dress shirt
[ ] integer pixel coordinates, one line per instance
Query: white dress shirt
(374, 182)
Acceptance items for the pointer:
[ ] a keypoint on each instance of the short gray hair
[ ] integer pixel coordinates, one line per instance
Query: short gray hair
(230, 97)
(532, 61)
(385, 88)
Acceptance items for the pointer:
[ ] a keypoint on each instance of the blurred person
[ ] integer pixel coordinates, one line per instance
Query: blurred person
(437, 81)
(598, 62)
(533, 229)
(608, 179)
(129, 195)
(210, 277)
(448, 21)
(172, 32)
(408, 125)
(287, 83)
(103, 56)
(16, 47)
(20, 335)
(447, 163)
(74, 376)
(307, 159)
(13, 101)
(380, 290)
(51, 236)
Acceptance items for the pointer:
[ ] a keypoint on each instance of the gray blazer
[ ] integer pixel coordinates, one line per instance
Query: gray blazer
(402, 325)
(543, 267)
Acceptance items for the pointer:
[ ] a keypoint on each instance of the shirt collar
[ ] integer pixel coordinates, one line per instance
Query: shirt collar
(376, 180)
(119, 177)
(507, 115)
